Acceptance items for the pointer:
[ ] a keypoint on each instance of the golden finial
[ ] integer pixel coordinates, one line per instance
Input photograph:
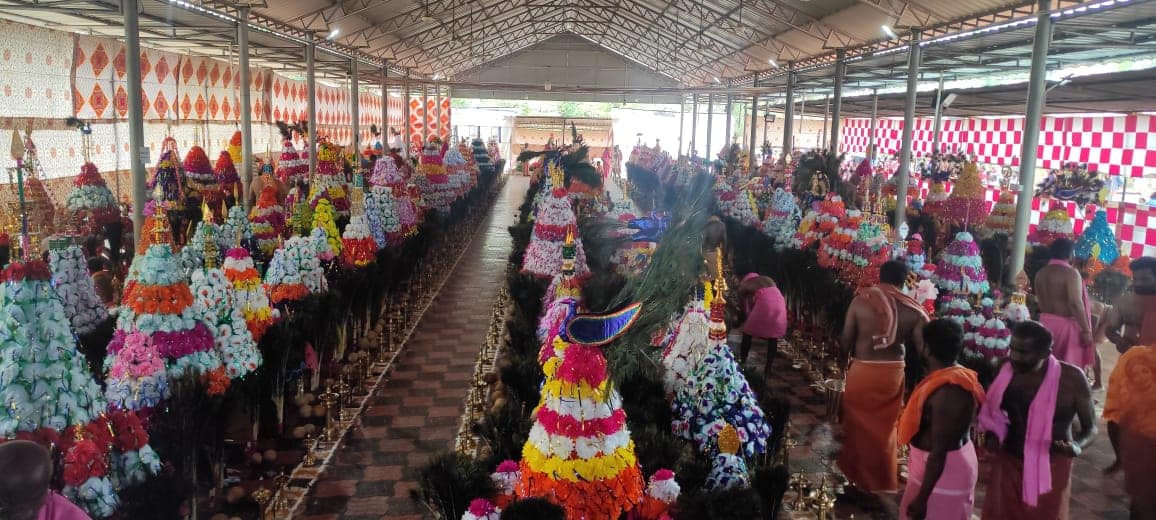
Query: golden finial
(728, 440)
(557, 177)
(720, 282)
(210, 247)
(569, 238)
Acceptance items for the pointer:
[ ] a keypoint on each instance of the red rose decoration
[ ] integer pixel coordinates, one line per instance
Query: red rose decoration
(84, 461)
(130, 433)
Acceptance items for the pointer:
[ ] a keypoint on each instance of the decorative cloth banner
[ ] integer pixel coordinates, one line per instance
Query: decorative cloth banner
(260, 82)
(417, 121)
(99, 90)
(397, 113)
(208, 90)
(369, 113)
(34, 72)
(1117, 145)
(1135, 226)
(444, 118)
(288, 99)
(332, 105)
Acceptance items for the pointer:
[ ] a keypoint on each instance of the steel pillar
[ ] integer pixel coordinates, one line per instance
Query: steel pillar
(874, 117)
(405, 124)
(1037, 92)
(693, 124)
(729, 130)
(311, 92)
(937, 122)
(913, 55)
(384, 110)
(138, 152)
(246, 108)
(837, 103)
(789, 112)
(355, 107)
(681, 122)
(754, 130)
(709, 124)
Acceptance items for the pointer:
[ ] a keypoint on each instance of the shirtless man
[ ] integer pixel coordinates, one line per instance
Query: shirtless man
(1064, 309)
(1031, 374)
(880, 321)
(1131, 321)
(942, 465)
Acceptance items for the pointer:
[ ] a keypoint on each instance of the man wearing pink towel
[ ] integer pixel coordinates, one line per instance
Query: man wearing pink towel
(765, 316)
(1028, 418)
(1064, 307)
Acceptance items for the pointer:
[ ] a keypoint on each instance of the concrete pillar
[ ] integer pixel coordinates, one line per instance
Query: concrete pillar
(246, 107)
(681, 122)
(384, 110)
(913, 55)
(709, 125)
(937, 124)
(837, 102)
(138, 151)
(729, 130)
(693, 124)
(1037, 92)
(874, 117)
(406, 114)
(754, 130)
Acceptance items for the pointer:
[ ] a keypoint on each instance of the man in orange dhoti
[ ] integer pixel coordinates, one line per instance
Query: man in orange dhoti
(880, 321)
(1132, 321)
(942, 466)
(1131, 408)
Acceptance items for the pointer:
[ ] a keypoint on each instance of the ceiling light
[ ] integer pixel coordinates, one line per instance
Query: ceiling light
(773, 63)
(716, 80)
(437, 77)
(890, 34)
(333, 34)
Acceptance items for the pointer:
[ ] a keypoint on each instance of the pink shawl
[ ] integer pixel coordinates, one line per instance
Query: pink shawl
(1038, 438)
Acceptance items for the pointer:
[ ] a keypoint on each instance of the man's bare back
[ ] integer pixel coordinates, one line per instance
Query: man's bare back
(859, 329)
(1123, 320)
(1058, 290)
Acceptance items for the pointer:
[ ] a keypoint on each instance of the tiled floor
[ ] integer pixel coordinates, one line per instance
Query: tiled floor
(1094, 496)
(417, 412)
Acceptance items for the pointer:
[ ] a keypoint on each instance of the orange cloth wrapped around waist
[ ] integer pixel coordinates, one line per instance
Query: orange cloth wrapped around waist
(872, 400)
(1131, 399)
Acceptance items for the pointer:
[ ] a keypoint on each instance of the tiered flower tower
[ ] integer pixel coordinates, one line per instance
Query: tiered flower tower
(432, 177)
(960, 270)
(579, 454)
(553, 219)
(1097, 244)
(782, 219)
(868, 251)
(457, 171)
(51, 398)
(328, 184)
(716, 394)
(744, 209)
(358, 248)
(91, 202)
(200, 183)
(686, 347)
(70, 275)
(1002, 219)
(1055, 224)
(249, 292)
(834, 248)
(158, 322)
(966, 207)
(268, 220)
(228, 179)
(290, 165)
(166, 190)
(325, 221)
(817, 224)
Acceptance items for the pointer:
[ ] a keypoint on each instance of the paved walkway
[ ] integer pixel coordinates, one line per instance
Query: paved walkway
(418, 411)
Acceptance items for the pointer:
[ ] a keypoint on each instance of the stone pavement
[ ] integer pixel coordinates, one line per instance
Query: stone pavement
(417, 412)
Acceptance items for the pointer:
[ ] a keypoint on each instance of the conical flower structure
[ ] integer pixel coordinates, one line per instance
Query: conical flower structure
(717, 394)
(457, 171)
(381, 216)
(408, 212)
(1002, 218)
(165, 184)
(268, 220)
(51, 398)
(661, 493)
(966, 206)
(561, 297)
(432, 178)
(357, 246)
(90, 201)
(867, 253)
(687, 346)
(295, 271)
(553, 219)
(385, 173)
(249, 294)
(234, 149)
(915, 257)
(216, 304)
(782, 219)
(192, 256)
(744, 208)
(328, 183)
(325, 220)
(985, 334)
(228, 179)
(1054, 225)
(482, 157)
(834, 248)
(77, 294)
(158, 305)
(290, 165)
(579, 454)
(200, 182)
(729, 470)
(818, 223)
(726, 194)
(960, 269)
(235, 231)
(298, 211)
(1098, 241)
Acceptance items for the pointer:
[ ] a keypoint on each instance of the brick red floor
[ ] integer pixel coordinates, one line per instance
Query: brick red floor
(418, 411)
